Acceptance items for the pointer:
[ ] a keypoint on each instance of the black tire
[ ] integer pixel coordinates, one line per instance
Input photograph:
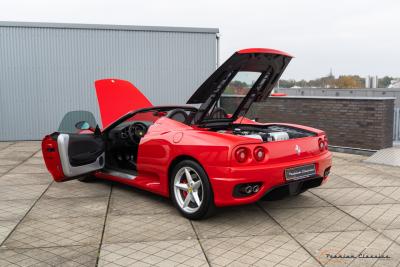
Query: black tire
(207, 206)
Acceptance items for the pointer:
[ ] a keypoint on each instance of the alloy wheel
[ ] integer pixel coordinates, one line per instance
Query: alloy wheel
(188, 189)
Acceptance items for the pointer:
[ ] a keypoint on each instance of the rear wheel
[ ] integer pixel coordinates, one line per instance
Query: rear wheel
(191, 190)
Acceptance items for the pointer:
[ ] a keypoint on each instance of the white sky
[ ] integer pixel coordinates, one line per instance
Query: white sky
(351, 37)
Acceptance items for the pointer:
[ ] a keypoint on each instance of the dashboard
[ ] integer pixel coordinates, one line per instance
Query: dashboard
(129, 133)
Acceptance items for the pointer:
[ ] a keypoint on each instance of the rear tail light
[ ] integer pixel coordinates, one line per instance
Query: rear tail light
(321, 145)
(242, 154)
(326, 142)
(259, 153)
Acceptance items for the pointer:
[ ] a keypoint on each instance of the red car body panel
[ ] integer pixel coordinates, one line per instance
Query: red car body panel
(263, 51)
(52, 158)
(116, 98)
(168, 141)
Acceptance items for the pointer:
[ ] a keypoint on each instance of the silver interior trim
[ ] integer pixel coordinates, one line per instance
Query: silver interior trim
(71, 171)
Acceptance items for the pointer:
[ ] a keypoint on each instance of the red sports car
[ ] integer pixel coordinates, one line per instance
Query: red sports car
(202, 157)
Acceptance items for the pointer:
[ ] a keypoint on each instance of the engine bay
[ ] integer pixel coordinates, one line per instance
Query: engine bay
(268, 133)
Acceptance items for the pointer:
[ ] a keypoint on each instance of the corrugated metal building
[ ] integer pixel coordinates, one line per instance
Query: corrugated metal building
(49, 69)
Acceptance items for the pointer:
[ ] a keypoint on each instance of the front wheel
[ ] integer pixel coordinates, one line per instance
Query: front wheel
(191, 190)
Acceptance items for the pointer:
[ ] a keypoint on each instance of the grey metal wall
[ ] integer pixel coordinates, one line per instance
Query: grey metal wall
(47, 70)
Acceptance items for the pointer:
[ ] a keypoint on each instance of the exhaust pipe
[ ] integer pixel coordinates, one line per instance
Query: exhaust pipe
(256, 188)
(248, 189)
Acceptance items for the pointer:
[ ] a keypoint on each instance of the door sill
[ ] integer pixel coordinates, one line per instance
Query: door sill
(120, 174)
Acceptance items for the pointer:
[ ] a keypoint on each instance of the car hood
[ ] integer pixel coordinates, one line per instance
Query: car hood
(270, 62)
(116, 98)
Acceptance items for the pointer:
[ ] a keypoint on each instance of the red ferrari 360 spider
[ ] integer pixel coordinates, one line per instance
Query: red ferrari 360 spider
(201, 157)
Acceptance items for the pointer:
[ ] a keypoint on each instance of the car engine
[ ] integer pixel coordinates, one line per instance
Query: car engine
(268, 133)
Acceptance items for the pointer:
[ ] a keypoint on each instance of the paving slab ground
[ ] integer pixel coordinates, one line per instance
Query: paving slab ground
(349, 221)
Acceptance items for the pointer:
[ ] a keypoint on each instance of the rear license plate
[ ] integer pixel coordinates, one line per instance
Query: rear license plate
(301, 172)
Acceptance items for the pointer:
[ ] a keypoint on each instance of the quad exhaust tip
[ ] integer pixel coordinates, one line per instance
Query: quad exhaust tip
(251, 189)
(256, 188)
(244, 190)
(248, 189)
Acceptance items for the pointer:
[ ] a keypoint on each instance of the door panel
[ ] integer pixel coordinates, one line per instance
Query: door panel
(84, 149)
(69, 156)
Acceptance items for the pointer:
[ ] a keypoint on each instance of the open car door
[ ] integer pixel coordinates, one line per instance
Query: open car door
(72, 152)
(69, 156)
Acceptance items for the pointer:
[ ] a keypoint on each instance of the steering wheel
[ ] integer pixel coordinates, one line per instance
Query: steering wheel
(136, 131)
(219, 113)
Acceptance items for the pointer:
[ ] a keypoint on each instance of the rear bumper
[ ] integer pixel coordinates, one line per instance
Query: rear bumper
(271, 176)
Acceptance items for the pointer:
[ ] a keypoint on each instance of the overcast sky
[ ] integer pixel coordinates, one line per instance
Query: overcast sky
(351, 37)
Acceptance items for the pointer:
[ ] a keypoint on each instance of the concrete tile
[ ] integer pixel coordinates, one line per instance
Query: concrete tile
(390, 191)
(160, 253)
(35, 160)
(25, 179)
(388, 156)
(373, 179)
(56, 232)
(30, 168)
(352, 196)
(315, 220)
(65, 225)
(21, 148)
(237, 221)
(349, 157)
(50, 208)
(336, 161)
(78, 189)
(354, 169)
(304, 200)
(15, 155)
(325, 245)
(11, 192)
(379, 217)
(393, 234)
(389, 170)
(14, 209)
(27, 144)
(336, 181)
(55, 256)
(128, 200)
(5, 168)
(138, 228)
(5, 229)
(9, 162)
(256, 251)
(5, 144)
(38, 154)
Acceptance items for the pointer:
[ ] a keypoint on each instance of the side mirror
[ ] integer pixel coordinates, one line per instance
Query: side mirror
(82, 125)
